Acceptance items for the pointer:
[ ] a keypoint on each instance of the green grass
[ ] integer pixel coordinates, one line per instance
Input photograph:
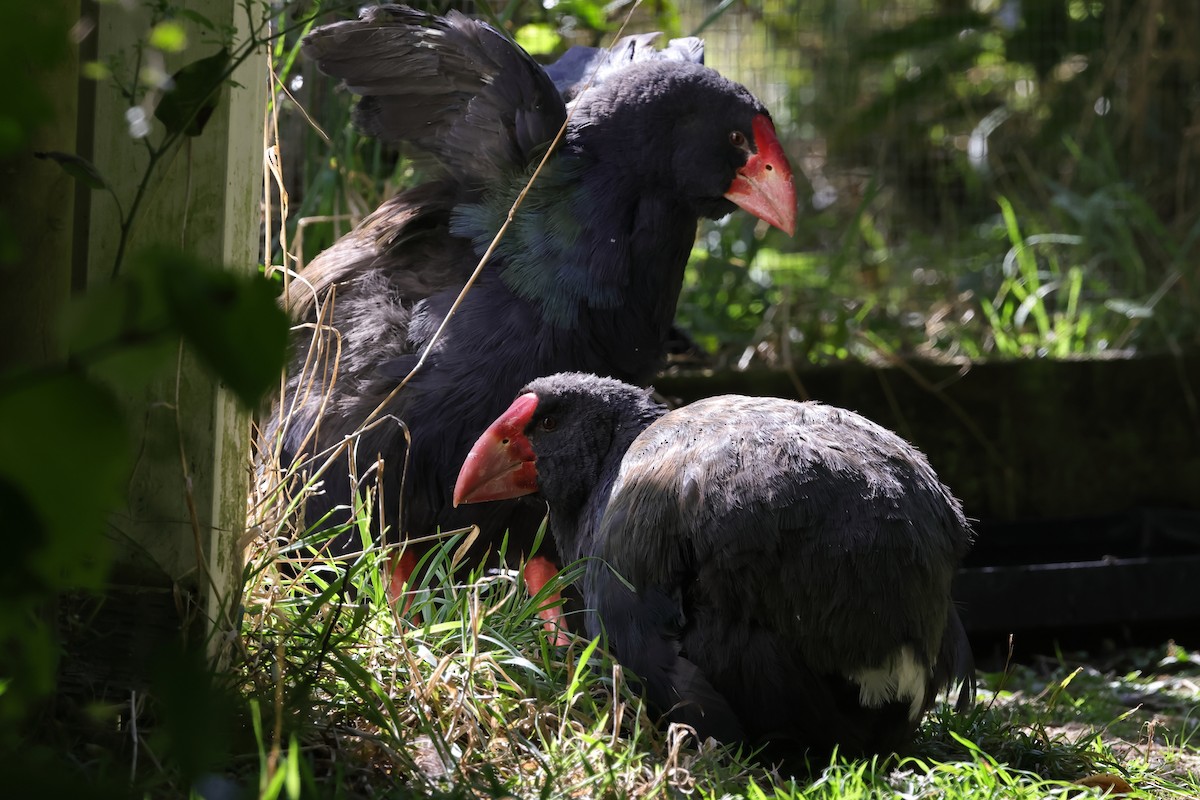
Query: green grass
(1074, 282)
(465, 697)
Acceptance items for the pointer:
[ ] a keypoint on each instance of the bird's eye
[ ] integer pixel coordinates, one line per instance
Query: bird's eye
(737, 139)
(549, 423)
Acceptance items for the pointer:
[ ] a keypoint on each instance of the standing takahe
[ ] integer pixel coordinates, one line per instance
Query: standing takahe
(776, 573)
(586, 278)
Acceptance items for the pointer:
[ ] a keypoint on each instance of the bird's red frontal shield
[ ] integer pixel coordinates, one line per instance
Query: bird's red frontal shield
(763, 186)
(500, 465)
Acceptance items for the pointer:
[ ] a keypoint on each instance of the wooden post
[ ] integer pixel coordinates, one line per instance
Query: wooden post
(179, 540)
(37, 200)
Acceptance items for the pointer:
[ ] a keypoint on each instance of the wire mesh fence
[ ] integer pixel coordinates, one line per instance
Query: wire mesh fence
(978, 178)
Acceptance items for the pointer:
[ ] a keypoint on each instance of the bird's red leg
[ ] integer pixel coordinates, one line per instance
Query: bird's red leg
(402, 567)
(538, 571)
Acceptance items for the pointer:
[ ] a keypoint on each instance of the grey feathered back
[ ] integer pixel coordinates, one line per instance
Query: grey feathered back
(773, 571)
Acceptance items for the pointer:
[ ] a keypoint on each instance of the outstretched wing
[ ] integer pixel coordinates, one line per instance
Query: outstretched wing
(454, 86)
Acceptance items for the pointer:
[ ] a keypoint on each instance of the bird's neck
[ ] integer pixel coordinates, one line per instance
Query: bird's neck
(599, 254)
(575, 517)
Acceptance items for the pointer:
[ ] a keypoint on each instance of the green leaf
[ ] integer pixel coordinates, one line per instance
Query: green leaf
(17, 580)
(581, 671)
(65, 453)
(232, 321)
(712, 17)
(168, 36)
(588, 12)
(194, 95)
(128, 311)
(198, 712)
(197, 17)
(77, 167)
(122, 332)
(96, 71)
(291, 767)
(33, 40)
(538, 38)
(1129, 309)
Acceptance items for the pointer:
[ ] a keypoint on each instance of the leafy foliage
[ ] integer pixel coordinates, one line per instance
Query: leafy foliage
(39, 45)
(194, 94)
(65, 431)
(1076, 238)
(67, 449)
(920, 124)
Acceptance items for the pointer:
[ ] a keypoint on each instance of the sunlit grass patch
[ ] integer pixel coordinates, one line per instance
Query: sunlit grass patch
(466, 696)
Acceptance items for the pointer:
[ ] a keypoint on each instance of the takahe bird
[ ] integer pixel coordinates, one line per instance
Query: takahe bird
(587, 276)
(775, 572)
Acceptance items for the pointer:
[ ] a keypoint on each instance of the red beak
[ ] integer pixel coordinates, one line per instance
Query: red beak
(764, 185)
(501, 463)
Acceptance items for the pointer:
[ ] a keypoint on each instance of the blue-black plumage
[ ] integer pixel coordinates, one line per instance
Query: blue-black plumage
(776, 573)
(587, 278)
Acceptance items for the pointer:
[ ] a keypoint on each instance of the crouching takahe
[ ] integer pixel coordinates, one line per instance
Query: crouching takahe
(587, 276)
(776, 573)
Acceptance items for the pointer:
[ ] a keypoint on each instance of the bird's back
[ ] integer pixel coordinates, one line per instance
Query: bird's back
(813, 551)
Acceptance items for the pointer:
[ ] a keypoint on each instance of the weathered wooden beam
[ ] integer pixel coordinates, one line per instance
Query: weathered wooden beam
(179, 539)
(38, 202)
(1021, 439)
(1077, 594)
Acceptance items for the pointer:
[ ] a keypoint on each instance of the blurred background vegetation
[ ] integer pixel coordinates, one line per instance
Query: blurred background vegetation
(979, 178)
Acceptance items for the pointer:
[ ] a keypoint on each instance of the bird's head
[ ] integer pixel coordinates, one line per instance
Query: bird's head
(556, 439)
(700, 136)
